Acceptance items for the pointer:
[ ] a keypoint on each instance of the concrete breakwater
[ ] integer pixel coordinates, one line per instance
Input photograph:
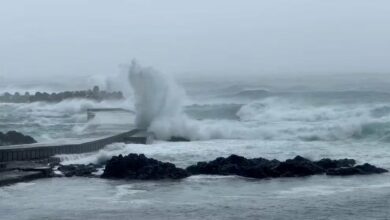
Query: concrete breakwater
(42, 151)
(92, 94)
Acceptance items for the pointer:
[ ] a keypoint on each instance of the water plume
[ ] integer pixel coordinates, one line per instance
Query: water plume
(158, 100)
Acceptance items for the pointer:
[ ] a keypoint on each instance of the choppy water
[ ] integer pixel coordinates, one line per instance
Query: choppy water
(199, 197)
(252, 123)
(67, 119)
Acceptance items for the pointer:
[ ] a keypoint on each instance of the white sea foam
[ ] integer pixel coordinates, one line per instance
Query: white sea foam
(158, 100)
(159, 106)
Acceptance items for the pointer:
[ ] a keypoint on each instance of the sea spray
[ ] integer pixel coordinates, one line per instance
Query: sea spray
(159, 109)
(158, 101)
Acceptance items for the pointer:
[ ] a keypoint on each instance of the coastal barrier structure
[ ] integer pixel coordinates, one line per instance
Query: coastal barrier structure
(42, 151)
(92, 94)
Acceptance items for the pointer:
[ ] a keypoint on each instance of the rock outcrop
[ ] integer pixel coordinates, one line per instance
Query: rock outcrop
(296, 167)
(137, 166)
(357, 170)
(21, 171)
(236, 165)
(78, 169)
(13, 137)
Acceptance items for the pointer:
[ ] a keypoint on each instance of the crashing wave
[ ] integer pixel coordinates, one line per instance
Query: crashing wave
(159, 106)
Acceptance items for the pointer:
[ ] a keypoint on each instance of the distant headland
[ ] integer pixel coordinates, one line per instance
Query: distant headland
(93, 94)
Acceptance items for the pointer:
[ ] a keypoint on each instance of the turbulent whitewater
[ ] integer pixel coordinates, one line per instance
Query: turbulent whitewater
(249, 119)
(204, 112)
(158, 101)
(257, 114)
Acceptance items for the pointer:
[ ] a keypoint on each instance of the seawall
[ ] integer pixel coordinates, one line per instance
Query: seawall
(42, 151)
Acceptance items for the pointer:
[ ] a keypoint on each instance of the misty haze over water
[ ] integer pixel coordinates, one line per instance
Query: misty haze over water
(45, 41)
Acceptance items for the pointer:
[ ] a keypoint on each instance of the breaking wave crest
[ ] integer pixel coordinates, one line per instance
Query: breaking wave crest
(159, 109)
(299, 120)
(159, 106)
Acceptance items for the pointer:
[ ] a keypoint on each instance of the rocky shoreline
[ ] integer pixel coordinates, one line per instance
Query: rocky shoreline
(14, 137)
(140, 167)
(137, 166)
(260, 168)
(22, 171)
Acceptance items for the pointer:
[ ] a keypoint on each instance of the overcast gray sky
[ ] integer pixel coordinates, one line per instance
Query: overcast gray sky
(79, 38)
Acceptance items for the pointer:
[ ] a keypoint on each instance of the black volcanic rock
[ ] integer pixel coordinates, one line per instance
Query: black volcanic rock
(296, 167)
(370, 169)
(236, 165)
(78, 169)
(134, 166)
(137, 166)
(327, 163)
(356, 170)
(13, 137)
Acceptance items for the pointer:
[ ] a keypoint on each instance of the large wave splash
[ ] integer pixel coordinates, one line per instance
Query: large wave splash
(158, 102)
(159, 108)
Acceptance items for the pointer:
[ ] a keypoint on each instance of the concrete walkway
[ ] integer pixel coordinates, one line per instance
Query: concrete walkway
(45, 150)
(19, 163)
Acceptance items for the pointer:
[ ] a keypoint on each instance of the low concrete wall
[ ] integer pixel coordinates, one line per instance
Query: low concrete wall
(36, 152)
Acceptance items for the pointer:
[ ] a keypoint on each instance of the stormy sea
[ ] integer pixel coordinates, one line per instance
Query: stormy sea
(250, 118)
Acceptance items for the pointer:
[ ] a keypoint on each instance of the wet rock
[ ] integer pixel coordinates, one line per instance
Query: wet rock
(327, 163)
(298, 166)
(78, 169)
(236, 165)
(15, 176)
(13, 137)
(20, 171)
(370, 169)
(137, 166)
(134, 166)
(364, 169)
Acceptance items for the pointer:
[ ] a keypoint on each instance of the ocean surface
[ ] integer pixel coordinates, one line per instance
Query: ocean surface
(252, 121)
